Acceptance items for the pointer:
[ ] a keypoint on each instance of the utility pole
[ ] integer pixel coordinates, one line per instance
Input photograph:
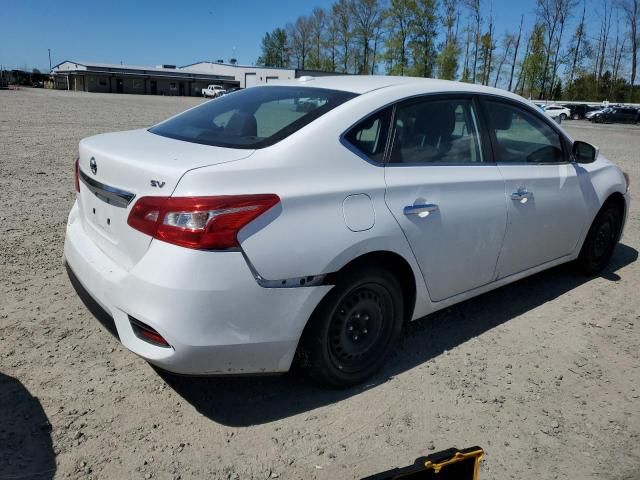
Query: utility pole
(49, 59)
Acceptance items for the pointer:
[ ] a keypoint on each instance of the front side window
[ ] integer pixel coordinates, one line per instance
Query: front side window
(436, 131)
(370, 135)
(521, 136)
(252, 118)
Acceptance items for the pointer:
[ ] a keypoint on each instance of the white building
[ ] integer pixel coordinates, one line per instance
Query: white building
(188, 80)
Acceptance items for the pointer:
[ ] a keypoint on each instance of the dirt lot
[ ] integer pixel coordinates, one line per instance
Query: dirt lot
(544, 374)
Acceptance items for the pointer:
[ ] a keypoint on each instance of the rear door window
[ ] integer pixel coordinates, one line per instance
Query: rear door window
(436, 132)
(252, 118)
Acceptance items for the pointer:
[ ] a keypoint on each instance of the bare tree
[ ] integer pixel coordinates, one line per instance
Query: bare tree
(299, 34)
(341, 17)
(553, 15)
(603, 39)
(579, 45)
(474, 7)
(515, 51)
(508, 42)
(318, 23)
(632, 12)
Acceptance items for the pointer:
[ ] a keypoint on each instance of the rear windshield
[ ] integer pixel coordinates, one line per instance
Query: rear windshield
(253, 118)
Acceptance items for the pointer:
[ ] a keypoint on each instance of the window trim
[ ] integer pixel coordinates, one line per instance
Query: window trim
(485, 150)
(565, 143)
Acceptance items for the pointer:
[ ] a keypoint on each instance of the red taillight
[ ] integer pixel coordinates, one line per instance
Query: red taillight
(77, 174)
(210, 223)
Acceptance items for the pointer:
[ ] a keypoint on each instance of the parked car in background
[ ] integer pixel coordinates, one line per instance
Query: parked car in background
(558, 111)
(554, 114)
(213, 91)
(233, 89)
(579, 111)
(589, 115)
(248, 233)
(617, 115)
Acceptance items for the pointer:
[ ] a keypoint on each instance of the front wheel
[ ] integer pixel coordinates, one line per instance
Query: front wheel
(601, 240)
(563, 117)
(575, 116)
(354, 328)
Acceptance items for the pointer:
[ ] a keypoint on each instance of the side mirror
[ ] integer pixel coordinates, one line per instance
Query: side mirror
(584, 152)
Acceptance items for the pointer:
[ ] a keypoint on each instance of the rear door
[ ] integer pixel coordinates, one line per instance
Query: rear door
(546, 208)
(447, 198)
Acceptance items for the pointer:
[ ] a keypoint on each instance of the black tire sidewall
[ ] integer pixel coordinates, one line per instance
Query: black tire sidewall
(589, 264)
(315, 343)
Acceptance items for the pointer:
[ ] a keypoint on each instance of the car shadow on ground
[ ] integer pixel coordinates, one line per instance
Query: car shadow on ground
(244, 401)
(26, 449)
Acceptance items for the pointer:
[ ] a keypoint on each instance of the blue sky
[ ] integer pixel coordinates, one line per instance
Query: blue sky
(156, 32)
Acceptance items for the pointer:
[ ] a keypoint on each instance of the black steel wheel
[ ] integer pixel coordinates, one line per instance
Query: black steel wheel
(601, 240)
(354, 328)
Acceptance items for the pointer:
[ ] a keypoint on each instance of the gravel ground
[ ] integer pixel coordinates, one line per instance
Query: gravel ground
(543, 374)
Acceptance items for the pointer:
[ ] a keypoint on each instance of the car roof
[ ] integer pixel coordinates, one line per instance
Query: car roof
(366, 83)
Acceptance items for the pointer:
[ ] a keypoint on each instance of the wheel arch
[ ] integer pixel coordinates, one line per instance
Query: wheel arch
(617, 199)
(390, 261)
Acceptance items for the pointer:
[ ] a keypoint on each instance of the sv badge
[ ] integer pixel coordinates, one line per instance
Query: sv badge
(157, 183)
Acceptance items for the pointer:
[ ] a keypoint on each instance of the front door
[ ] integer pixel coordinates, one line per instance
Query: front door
(447, 197)
(546, 207)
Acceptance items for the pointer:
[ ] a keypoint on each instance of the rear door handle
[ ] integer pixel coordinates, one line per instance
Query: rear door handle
(521, 195)
(423, 209)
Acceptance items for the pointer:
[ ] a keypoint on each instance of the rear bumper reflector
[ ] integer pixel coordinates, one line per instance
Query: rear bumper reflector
(148, 334)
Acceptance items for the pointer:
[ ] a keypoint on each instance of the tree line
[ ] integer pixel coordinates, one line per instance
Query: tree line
(564, 49)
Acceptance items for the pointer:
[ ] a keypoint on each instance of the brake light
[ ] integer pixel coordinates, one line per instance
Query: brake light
(76, 174)
(208, 223)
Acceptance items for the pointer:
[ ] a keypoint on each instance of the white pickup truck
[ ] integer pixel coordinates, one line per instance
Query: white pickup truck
(213, 91)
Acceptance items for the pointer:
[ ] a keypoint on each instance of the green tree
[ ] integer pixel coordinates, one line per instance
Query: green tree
(398, 17)
(274, 49)
(368, 16)
(449, 55)
(424, 30)
(533, 65)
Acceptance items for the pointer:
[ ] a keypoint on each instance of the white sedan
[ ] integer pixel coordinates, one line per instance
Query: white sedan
(558, 112)
(309, 221)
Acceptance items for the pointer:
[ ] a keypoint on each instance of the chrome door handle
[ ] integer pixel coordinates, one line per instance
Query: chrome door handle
(521, 195)
(425, 208)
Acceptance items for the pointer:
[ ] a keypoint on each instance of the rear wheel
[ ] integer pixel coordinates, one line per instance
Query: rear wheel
(575, 116)
(601, 240)
(354, 328)
(563, 116)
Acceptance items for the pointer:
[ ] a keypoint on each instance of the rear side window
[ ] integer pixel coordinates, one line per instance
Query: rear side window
(522, 136)
(436, 132)
(370, 135)
(253, 118)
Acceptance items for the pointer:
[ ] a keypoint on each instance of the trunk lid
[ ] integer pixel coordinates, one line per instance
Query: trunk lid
(116, 169)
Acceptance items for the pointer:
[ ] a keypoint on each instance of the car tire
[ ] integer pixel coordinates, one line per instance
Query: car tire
(563, 117)
(575, 116)
(601, 240)
(354, 328)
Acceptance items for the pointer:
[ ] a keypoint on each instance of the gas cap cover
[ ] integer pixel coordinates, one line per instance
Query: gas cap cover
(358, 212)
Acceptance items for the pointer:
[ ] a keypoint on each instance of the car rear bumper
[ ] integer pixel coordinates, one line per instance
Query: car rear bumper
(207, 305)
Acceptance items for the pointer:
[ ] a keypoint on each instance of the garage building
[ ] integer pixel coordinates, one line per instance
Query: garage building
(188, 80)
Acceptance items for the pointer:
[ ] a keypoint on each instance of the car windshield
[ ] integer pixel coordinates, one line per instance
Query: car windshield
(253, 118)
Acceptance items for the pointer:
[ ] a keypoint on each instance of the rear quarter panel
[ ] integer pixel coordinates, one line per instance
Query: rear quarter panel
(313, 173)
